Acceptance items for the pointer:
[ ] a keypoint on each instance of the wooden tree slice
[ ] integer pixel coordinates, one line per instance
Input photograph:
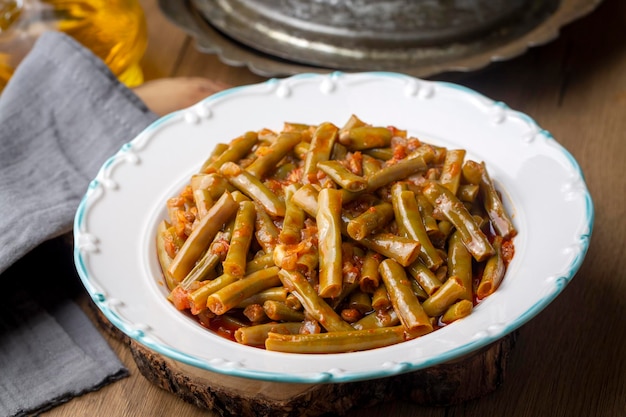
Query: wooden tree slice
(450, 383)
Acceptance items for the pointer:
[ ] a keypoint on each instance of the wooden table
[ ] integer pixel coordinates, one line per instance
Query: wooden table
(571, 359)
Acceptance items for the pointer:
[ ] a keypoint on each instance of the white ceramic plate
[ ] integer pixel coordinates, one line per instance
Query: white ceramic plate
(543, 188)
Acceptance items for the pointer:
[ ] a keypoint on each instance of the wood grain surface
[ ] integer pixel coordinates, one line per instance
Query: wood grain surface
(570, 360)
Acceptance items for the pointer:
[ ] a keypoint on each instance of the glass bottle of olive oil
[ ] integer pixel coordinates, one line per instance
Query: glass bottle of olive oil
(115, 30)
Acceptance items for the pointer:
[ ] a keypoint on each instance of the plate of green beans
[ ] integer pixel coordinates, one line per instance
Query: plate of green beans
(332, 228)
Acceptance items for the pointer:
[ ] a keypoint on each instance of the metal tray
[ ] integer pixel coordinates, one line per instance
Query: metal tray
(300, 41)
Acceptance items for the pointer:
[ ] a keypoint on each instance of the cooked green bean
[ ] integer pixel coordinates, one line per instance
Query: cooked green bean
(445, 230)
(177, 218)
(460, 263)
(494, 206)
(339, 152)
(199, 296)
(370, 278)
(163, 257)
(306, 198)
(232, 294)
(346, 290)
(403, 298)
(284, 170)
(237, 149)
(353, 121)
(398, 171)
(471, 172)
(451, 171)
(304, 129)
(308, 262)
(442, 272)
(457, 311)
(255, 313)
(293, 302)
(238, 196)
(359, 138)
(342, 176)
(219, 149)
(410, 223)
(329, 236)
(455, 212)
(424, 276)
(253, 188)
(373, 219)
(280, 311)
(419, 292)
(451, 291)
(377, 319)
(266, 232)
(214, 183)
(236, 258)
(426, 211)
(198, 241)
(257, 334)
(271, 294)
(371, 165)
(427, 152)
(493, 272)
(476, 173)
(293, 221)
(314, 305)
(301, 150)
(360, 301)
(203, 201)
(267, 162)
(401, 249)
(335, 342)
(383, 154)
(468, 192)
(259, 262)
(320, 150)
(202, 269)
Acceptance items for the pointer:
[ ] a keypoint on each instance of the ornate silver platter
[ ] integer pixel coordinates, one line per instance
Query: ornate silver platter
(419, 38)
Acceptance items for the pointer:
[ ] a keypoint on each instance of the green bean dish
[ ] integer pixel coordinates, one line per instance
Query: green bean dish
(327, 239)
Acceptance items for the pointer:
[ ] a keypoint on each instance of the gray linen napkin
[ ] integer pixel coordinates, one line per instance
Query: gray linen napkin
(61, 116)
